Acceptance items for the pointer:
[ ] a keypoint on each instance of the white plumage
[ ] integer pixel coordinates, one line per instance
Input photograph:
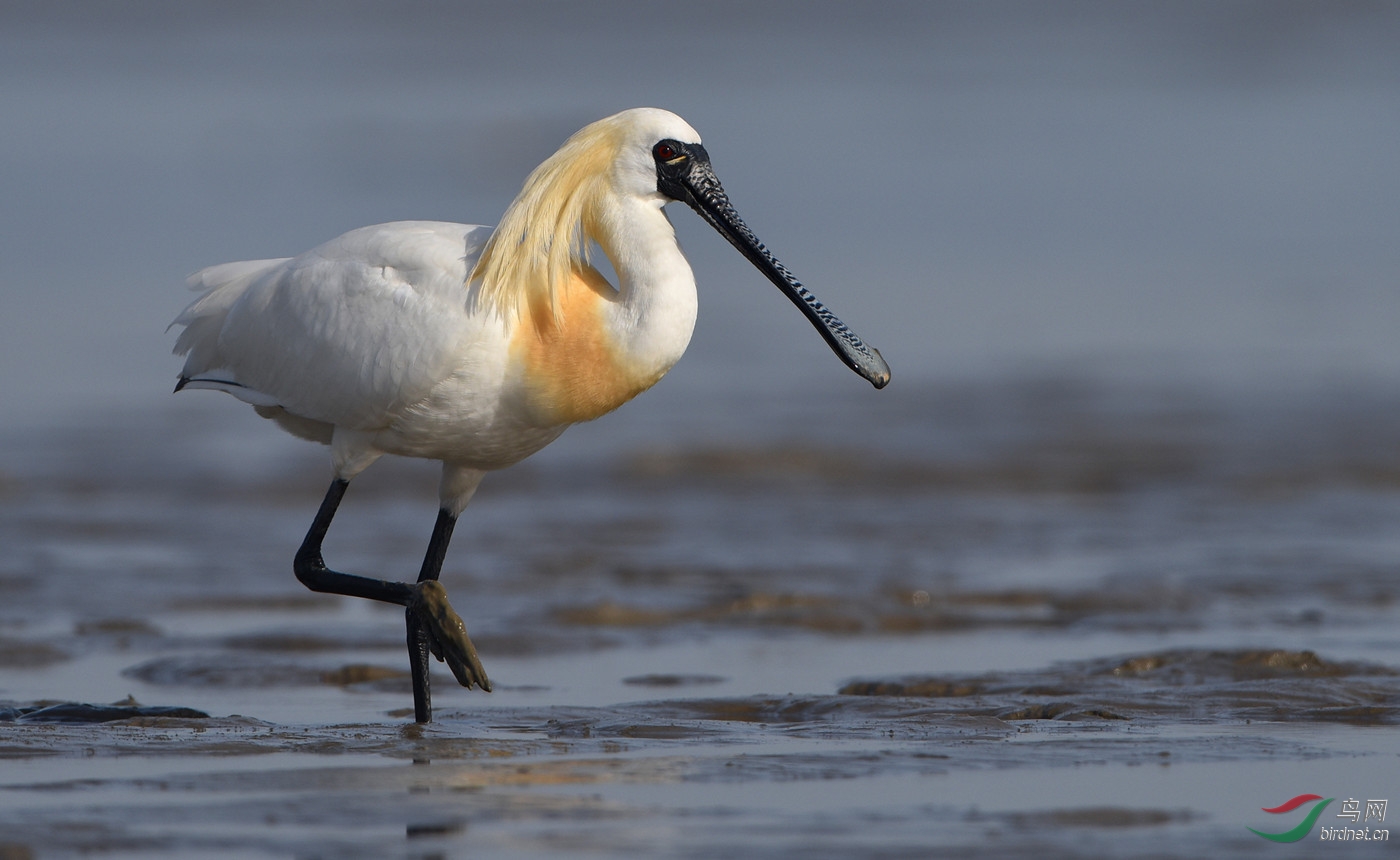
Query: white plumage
(373, 335)
(472, 346)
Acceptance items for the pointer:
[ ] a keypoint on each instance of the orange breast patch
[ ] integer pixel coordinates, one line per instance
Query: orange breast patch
(572, 369)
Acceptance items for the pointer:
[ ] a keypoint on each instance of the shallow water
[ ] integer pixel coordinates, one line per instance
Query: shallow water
(1109, 567)
(1039, 618)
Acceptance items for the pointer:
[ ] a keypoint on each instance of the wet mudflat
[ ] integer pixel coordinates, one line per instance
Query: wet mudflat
(1049, 618)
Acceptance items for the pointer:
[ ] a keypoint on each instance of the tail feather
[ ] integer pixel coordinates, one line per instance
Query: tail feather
(242, 392)
(204, 318)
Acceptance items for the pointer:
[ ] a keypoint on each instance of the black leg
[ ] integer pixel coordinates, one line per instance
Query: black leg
(433, 627)
(312, 571)
(418, 640)
(437, 546)
(419, 649)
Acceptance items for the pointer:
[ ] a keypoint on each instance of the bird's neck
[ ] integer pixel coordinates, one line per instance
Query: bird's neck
(654, 316)
(608, 345)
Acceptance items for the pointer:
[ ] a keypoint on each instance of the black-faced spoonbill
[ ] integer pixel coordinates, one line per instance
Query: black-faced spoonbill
(473, 346)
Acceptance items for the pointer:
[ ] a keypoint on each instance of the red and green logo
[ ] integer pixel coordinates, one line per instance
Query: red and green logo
(1304, 827)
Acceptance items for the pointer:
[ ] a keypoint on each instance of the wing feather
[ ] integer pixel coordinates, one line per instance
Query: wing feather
(350, 333)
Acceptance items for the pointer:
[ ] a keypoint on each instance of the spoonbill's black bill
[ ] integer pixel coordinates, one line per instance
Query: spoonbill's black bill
(477, 347)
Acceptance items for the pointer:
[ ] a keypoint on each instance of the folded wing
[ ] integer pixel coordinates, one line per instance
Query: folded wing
(349, 334)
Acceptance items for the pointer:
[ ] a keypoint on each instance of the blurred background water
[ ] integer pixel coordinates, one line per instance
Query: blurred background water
(1134, 267)
(1203, 189)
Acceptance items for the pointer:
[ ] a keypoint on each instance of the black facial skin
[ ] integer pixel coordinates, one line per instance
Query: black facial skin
(684, 173)
(674, 161)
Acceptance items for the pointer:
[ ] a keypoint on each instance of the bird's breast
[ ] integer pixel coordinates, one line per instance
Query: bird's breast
(573, 366)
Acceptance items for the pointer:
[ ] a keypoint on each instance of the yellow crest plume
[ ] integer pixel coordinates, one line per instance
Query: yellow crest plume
(545, 233)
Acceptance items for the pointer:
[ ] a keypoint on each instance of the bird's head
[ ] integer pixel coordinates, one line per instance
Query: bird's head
(648, 154)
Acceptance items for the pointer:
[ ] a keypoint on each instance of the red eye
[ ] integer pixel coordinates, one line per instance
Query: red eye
(665, 151)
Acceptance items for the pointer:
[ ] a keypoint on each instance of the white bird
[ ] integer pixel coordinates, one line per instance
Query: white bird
(477, 347)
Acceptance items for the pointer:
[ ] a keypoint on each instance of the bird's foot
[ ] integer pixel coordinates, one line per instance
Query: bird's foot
(447, 635)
